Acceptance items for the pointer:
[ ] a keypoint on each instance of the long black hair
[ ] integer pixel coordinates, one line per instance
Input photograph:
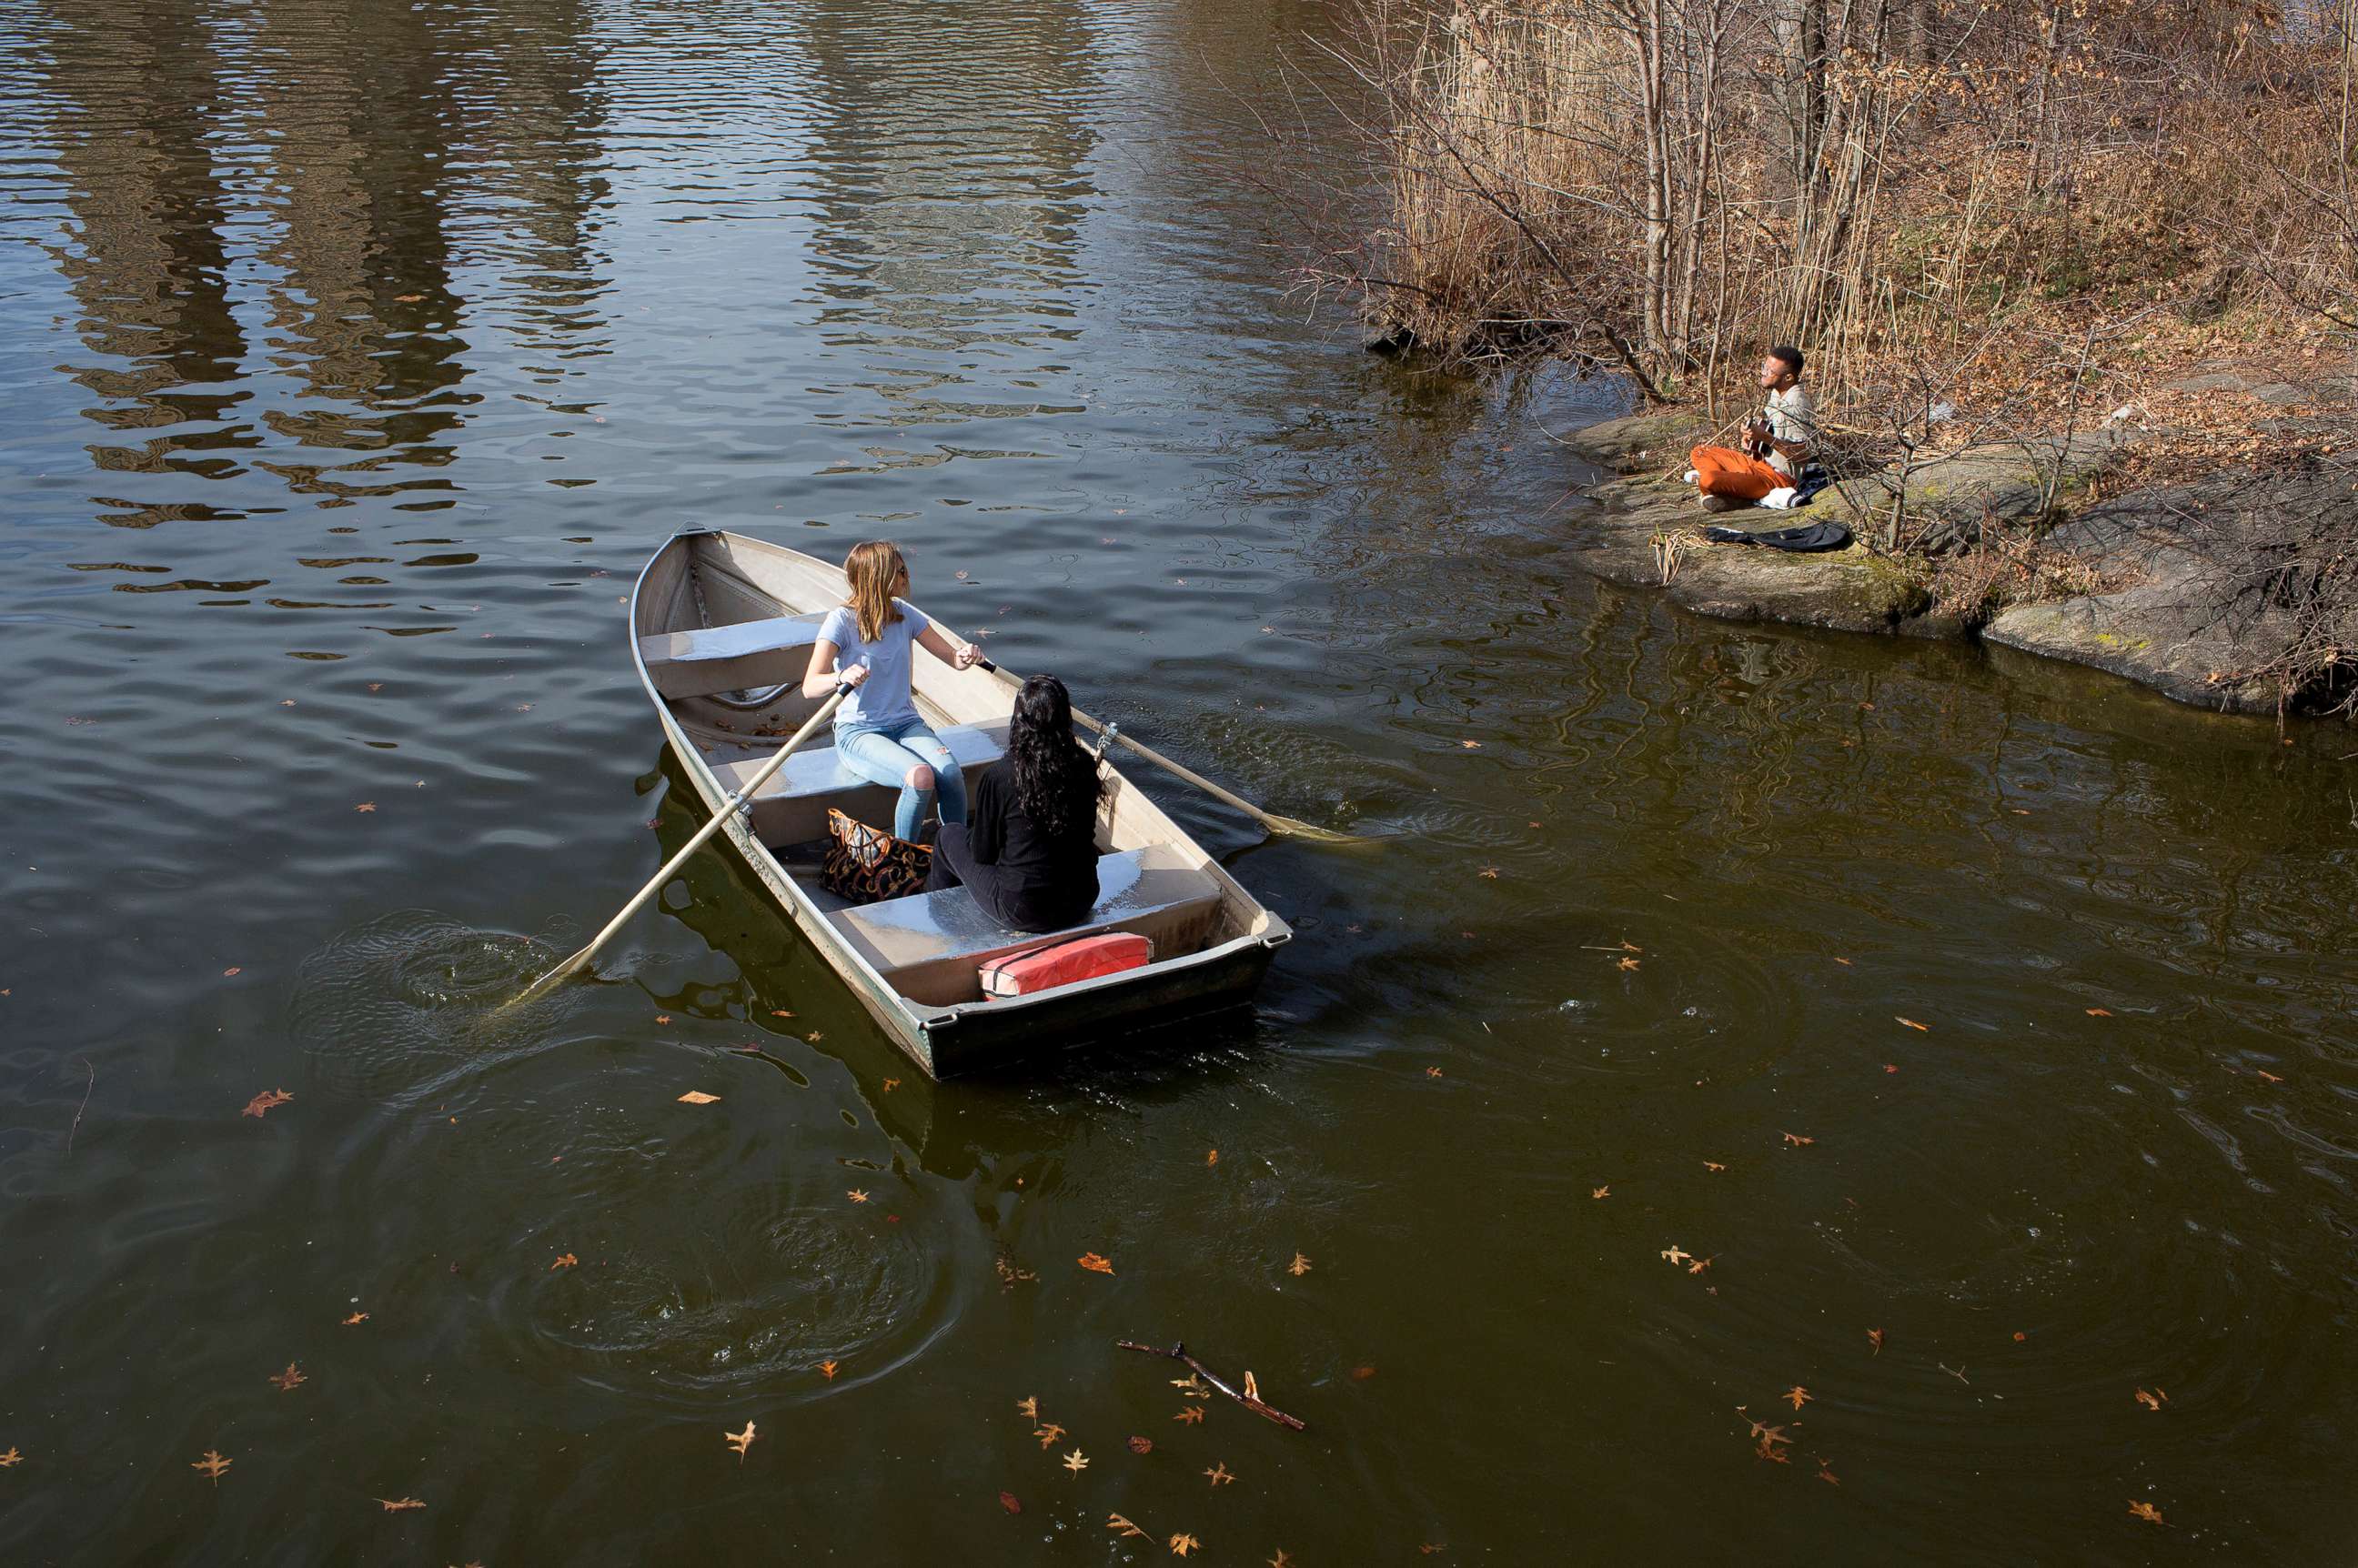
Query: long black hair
(1056, 782)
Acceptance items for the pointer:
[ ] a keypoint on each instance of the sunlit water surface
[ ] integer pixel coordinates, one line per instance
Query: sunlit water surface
(355, 356)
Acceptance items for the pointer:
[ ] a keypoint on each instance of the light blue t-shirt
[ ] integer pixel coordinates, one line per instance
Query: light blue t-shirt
(883, 699)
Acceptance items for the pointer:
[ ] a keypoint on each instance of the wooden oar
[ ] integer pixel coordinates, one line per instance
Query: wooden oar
(1268, 819)
(737, 797)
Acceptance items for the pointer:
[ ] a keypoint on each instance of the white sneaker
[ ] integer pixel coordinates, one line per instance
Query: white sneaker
(1693, 477)
(1782, 499)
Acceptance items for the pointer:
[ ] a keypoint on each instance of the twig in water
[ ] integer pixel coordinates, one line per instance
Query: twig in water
(1179, 1353)
(1957, 1372)
(85, 1102)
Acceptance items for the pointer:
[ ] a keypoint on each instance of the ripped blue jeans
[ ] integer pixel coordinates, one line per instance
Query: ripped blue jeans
(884, 754)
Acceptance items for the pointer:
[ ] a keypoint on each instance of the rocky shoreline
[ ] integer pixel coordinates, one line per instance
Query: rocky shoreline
(2167, 607)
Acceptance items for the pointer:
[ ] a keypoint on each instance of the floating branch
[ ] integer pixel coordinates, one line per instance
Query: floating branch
(1250, 1402)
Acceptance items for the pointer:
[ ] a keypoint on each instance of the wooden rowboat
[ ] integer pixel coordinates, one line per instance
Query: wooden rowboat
(721, 632)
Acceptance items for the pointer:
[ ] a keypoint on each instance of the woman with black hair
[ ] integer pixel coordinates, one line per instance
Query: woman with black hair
(1028, 848)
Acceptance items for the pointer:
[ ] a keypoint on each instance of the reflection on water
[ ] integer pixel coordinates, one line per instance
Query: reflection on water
(357, 356)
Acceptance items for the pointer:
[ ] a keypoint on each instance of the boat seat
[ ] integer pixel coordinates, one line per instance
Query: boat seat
(793, 806)
(928, 946)
(730, 658)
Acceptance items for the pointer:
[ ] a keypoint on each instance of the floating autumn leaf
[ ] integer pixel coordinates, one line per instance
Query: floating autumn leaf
(1600, 1192)
(662, 1018)
(2100, 1012)
(289, 1377)
(1675, 1254)
(233, 969)
(356, 1319)
(400, 1505)
(1141, 1445)
(1192, 1414)
(1252, 1385)
(1433, 1071)
(1009, 1274)
(1798, 1395)
(11, 1459)
(1626, 964)
(564, 1261)
(1183, 1544)
(1281, 1560)
(365, 806)
(1700, 1264)
(779, 1012)
(1471, 745)
(1826, 1474)
(1077, 1461)
(740, 1441)
(1121, 1527)
(1095, 1264)
(2146, 1513)
(1007, 1500)
(2154, 1400)
(1491, 872)
(1798, 1141)
(1219, 1476)
(1029, 1408)
(1211, 1158)
(826, 1370)
(856, 1196)
(2019, 1337)
(1048, 1435)
(1774, 1455)
(1875, 1337)
(1363, 1373)
(891, 1084)
(1846, 962)
(1299, 1267)
(1192, 1385)
(266, 1102)
(1911, 1023)
(815, 1036)
(212, 1464)
(697, 1096)
(1714, 1165)
(2266, 1074)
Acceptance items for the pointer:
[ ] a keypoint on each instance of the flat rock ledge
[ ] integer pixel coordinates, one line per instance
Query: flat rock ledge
(2154, 631)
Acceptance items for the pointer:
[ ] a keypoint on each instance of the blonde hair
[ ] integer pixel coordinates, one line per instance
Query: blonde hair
(874, 569)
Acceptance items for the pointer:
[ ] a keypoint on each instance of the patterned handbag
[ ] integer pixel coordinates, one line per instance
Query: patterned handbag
(866, 865)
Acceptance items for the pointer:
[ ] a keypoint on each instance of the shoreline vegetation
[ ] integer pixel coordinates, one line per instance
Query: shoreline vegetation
(2077, 281)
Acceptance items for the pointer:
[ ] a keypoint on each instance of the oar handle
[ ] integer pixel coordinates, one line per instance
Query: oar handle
(735, 798)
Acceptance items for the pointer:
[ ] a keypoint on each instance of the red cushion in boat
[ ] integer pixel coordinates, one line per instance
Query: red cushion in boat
(1063, 963)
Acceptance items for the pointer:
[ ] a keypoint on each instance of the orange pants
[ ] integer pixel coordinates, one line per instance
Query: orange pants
(1720, 472)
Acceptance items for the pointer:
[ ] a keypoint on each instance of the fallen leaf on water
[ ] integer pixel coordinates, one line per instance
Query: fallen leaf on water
(407, 298)
(1009, 1274)
(233, 969)
(1471, 745)
(1007, 1500)
(396, 1504)
(779, 1012)
(1890, 1067)
(265, 1101)
(1192, 1385)
(1798, 1141)
(1433, 1071)
(1183, 1544)
(212, 1464)
(1774, 1455)
(1121, 1527)
(2019, 1337)
(662, 1018)
(1846, 962)
(1192, 1414)
(1700, 1264)
(740, 1441)
(1252, 1385)
(1600, 1192)
(2100, 1012)
(365, 806)
(1875, 1337)
(358, 1317)
(1766, 1433)
(1490, 871)
(826, 1370)
(1048, 1435)
(1713, 1165)
(1675, 1254)
(2154, 1400)
(1281, 1560)
(1095, 1264)
(1218, 1475)
(11, 1459)
(289, 1377)
(1299, 1267)
(564, 1261)
(1911, 1023)
(1211, 1158)
(697, 1096)
(2266, 1074)
(857, 1196)
(1141, 1445)
(815, 1036)
(1826, 1474)
(1798, 1394)
(891, 1084)
(1626, 964)
(2146, 1513)
(1029, 1408)
(1077, 1461)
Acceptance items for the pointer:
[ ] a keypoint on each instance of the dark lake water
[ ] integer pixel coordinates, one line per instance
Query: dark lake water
(354, 358)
